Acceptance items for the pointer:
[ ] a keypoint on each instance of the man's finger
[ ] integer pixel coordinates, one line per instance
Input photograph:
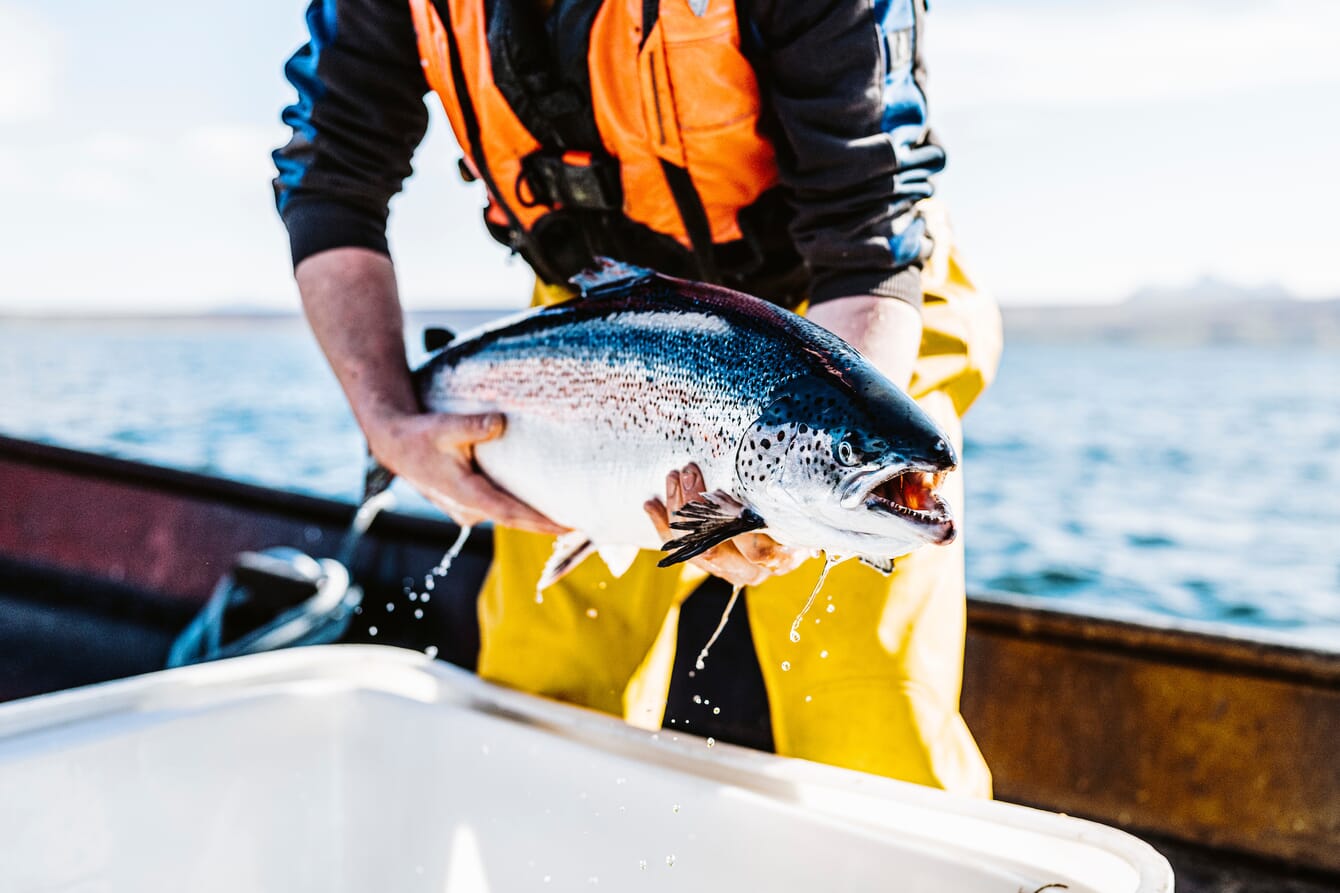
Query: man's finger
(691, 482)
(763, 549)
(477, 492)
(656, 510)
(454, 431)
(674, 497)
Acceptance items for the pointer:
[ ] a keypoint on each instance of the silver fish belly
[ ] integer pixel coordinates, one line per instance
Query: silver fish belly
(600, 410)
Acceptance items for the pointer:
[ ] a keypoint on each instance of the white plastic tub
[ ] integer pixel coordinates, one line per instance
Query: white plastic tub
(354, 768)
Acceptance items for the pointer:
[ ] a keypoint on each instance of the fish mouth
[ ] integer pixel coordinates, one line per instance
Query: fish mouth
(908, 494)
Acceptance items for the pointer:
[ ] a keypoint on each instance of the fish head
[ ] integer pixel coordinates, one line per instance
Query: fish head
(851, 468)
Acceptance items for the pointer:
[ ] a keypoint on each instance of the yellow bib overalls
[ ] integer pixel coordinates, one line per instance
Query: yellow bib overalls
(872, 685)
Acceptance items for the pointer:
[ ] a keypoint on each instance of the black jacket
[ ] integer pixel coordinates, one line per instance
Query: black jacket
(841, 82)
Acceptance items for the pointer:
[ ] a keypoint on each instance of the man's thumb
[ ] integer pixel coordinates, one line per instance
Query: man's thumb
(463, 430)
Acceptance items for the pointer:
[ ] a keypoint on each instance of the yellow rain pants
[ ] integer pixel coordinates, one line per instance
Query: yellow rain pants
(873, 684)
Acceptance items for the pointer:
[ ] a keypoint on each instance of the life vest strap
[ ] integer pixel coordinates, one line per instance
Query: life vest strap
(575, 180)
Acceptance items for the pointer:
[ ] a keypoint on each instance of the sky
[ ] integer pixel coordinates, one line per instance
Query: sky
(1094, 148)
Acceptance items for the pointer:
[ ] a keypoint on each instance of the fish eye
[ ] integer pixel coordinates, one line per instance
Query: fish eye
(846, 453)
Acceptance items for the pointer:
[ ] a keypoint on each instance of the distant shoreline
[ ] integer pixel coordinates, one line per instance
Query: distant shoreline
(1261, 323)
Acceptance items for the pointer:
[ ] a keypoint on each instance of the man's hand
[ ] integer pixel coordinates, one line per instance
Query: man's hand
(746, 560)
(434, 453)
(349, 296)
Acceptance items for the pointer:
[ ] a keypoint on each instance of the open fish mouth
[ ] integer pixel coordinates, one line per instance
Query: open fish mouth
(910, 495)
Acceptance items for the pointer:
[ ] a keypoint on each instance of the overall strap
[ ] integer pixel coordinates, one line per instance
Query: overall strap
(688, 202)
(516, 231)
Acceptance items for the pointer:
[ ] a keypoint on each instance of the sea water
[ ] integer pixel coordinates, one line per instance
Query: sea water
(1199, 483)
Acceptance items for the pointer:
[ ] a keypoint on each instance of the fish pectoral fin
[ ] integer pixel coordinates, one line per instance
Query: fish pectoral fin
(883, 565)
(709, 521)
(618, 558)
(376, 478)
(570, 550)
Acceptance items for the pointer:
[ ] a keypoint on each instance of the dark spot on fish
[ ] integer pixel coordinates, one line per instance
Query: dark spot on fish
(803, 429)
(781, 436)
(767, 443)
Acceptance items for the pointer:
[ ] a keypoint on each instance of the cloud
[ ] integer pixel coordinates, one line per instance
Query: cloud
(238, 153)
(28, 52)
(116, 148)
(1083, 54)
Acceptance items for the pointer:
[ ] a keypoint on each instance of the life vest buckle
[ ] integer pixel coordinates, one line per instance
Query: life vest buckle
(574, 180)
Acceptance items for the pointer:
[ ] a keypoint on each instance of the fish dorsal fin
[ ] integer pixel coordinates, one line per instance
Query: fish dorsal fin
(609, 277)
(617, 558)
(570, 550)
(883, 565)
(711, 520)
(437, 337)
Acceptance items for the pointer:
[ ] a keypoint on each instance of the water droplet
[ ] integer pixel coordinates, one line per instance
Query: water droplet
(829, 561)
(621, 780)
(539, 598)
(831, 609)
(390, 606)
(697, 699)
(428, 583)
(642, 864)
(808, 698)
(711, 742)
(823, 654)
(716, 710)
(413, 596)
(670, 861)
(358, 609)
(418, 613)
(372, 630)
(445, 564)
(701, 662)
(546, 878)
(675, 808)
(431, 651)
(592, 613)
(786, 665)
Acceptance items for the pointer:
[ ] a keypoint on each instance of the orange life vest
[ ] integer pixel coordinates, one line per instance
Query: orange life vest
(621, 127)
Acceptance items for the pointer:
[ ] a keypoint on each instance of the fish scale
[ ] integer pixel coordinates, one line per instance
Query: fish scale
(605, 395)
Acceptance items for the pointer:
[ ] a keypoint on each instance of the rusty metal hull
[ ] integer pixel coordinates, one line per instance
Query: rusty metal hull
(1195, 738)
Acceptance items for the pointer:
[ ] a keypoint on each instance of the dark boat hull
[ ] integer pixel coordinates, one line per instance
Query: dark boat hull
(1221, 750)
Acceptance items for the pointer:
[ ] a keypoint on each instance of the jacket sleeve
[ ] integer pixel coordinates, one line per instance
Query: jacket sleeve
(359, 116)
(843, 79)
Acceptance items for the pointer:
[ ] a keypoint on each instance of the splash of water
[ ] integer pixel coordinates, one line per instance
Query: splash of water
(829, 561)
(445, 564)
(701, 662)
